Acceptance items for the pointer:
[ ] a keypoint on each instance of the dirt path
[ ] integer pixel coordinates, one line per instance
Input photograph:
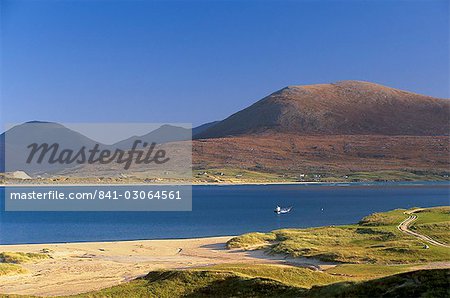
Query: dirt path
(404, 227)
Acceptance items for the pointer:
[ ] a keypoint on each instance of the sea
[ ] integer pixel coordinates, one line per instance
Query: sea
(226, 210)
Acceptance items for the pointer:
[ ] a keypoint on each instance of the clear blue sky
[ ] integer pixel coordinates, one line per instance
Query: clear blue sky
(198, 61)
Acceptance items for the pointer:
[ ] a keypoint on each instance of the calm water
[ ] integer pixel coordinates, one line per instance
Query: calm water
(224, 210)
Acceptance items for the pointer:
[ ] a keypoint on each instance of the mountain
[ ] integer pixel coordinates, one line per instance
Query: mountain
(165, 133)
(343, 108)
(199, 129)
(14, 143)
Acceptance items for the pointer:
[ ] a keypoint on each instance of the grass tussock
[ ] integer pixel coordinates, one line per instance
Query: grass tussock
(21, 257)
(251, 240)
(8, 269)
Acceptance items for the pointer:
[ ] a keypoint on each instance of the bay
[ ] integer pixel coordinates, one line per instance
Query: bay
(226, 210)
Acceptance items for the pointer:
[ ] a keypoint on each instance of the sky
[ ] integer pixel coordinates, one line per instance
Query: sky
(200, 61)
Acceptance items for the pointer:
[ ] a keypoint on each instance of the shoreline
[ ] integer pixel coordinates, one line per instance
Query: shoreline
(232, 184)
(115, 241)
(89, 266)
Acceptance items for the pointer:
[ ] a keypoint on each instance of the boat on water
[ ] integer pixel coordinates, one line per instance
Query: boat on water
(280, 210)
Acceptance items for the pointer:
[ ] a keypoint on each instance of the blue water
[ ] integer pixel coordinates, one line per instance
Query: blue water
(225, 210)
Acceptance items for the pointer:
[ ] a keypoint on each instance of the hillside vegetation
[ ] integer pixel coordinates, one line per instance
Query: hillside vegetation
(292, 157)
(209, 283)
(21, 257)
(9, 261)
(375, 239)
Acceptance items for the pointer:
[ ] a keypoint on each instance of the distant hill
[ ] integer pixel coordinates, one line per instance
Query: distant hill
(343, 108)
(163, 134)
(199, 129)
(15, 141)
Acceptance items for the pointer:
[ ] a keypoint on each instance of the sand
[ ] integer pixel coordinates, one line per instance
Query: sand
(82, 267)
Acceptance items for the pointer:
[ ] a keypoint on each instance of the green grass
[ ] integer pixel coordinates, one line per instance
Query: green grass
(197, 283)
(21, 257)
(237, 175)
(434, 223)
(394, 176)
(243, 280)
(389, 218)
(359, 272)
(252, 240)
(421, 283)
(232, 175)
(9, 261)
(438, 231)
(375, 240)
(7, 269)
(289, 275)
(307, 278)
(211, 283)
(432, 215)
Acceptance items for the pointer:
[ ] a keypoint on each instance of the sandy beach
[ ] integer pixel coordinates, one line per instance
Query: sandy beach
(82, 267)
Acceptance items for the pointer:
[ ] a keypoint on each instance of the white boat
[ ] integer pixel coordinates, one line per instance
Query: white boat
(280, 210)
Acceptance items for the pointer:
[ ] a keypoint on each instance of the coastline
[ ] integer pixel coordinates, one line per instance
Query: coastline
(90, 266)
(231, 184)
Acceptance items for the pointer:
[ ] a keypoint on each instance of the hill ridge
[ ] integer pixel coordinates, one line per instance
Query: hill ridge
(341, 108)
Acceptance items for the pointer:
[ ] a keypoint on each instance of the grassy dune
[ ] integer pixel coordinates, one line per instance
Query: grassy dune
(210, 283)
(198, 283)
(421, 283)
(374, 240)
(289, 275)
(8, 269)
(21, 257)
(9, 261)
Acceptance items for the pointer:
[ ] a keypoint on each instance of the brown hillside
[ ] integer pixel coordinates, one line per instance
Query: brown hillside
(343, 108)
(290, 153)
